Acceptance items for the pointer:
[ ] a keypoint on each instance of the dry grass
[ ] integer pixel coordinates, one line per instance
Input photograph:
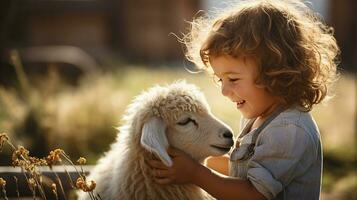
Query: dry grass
(35, 180)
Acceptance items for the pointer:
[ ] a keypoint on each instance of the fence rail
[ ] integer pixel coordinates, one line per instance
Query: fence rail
(66, 173)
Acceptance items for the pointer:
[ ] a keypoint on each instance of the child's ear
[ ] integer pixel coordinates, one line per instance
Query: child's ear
(153, 138)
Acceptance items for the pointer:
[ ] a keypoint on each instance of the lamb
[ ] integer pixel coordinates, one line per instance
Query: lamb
(176, 115)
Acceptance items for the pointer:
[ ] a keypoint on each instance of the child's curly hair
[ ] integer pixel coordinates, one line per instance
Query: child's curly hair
(296, 52)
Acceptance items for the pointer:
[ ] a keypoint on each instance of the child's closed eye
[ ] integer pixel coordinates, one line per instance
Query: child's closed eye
(219, 81)
(233, 79)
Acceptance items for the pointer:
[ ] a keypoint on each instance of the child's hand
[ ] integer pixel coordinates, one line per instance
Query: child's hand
(181, 171)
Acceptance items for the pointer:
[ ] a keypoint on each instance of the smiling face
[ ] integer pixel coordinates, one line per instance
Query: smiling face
(237, 79)
(200, 135)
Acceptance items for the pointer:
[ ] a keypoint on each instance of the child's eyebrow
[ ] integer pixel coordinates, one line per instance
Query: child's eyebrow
(230, 72)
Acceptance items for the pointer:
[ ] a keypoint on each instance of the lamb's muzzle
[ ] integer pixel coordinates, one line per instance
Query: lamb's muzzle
(176, 115)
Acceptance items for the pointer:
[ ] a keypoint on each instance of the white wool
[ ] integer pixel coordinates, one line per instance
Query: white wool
(123, 174)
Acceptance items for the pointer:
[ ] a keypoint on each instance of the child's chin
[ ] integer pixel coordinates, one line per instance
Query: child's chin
(247, 115)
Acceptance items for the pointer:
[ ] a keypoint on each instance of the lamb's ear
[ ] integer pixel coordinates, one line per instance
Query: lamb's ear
(153, 138)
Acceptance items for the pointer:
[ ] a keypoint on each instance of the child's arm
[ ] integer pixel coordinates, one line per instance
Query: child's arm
(186, 170)
(224, 187)
(219, 164)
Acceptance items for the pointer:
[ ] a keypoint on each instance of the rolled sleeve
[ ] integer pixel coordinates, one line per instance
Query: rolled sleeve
(282, 153)
(264, 182)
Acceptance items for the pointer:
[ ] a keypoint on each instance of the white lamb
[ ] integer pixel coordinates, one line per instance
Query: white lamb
(176, 115)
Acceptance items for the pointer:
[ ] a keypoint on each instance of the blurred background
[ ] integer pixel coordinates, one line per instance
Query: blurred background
(69, 68)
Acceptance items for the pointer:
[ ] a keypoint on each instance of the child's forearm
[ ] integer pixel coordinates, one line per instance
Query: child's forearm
(218, 164)
(224, 187)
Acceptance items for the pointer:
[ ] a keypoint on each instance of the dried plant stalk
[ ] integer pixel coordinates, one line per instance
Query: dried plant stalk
(61, 186)
(3, 189)
(29, 167)
(17, 188)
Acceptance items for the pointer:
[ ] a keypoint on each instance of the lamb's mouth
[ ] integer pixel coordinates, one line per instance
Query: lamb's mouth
(221, 148)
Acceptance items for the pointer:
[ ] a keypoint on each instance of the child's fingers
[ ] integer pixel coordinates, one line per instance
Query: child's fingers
(157, 164)
(160, 173)
(173, 151)
(162, 181)
(155, 157)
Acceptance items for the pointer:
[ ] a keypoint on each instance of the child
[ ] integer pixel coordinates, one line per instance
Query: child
(275, 60)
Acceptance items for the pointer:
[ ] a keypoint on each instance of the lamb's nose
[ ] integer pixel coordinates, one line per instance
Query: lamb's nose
(228, 134)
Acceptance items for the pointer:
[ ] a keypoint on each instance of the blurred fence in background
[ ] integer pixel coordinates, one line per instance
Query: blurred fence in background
(136, 30)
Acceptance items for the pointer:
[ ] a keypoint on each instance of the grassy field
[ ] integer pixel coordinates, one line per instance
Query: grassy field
(82, 119)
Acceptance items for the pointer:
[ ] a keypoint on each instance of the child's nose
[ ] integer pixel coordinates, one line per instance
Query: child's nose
(225, 90)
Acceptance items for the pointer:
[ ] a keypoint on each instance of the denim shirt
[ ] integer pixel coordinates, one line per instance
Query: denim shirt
(286, 162)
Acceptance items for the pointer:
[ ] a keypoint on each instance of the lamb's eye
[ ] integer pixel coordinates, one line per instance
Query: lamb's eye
(186, 121)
